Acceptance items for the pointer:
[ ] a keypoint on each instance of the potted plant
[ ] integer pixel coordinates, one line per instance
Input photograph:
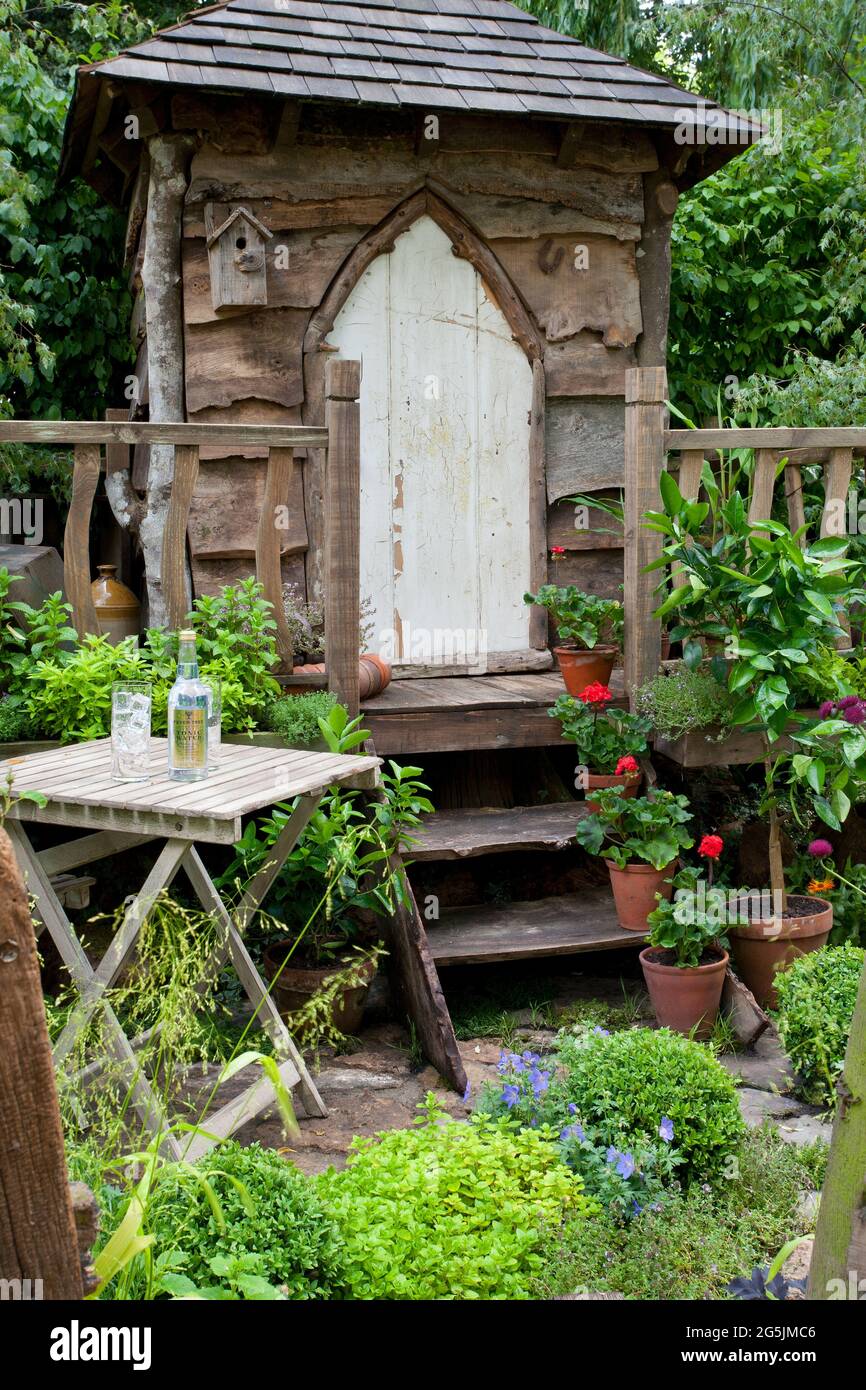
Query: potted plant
(641, 839)
(343, 875)
(685, 962)
(608, 741)
(778, 602)
(588, 632)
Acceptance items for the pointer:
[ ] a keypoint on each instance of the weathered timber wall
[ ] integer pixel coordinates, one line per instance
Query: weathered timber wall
(565, 229)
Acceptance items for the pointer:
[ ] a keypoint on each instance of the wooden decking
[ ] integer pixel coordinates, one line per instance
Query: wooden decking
(560, 926)
(455, 713)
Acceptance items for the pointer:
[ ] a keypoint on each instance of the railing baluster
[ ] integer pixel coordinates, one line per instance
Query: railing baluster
(281, 463)
(173, 559)
(342, 531)
(837, 481)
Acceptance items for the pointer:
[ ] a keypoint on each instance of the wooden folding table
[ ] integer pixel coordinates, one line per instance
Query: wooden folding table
(80, 793)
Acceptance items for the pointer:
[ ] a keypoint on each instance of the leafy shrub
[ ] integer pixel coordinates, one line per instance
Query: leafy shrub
(71, 699)
(683, 701)
(15, 723)
(266, 1208)
(624, 1084)
(816, 1002)
(296, 717)
(448, 1210)
(690, 1243)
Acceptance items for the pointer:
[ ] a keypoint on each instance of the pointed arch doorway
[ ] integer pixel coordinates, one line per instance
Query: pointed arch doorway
(447, 534)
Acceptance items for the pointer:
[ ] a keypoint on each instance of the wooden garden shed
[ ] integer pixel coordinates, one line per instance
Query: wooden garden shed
(479, 210)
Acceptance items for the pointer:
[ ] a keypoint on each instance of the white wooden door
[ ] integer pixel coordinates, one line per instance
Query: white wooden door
(445, 406)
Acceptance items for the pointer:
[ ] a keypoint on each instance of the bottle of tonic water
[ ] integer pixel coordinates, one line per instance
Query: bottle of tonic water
(187, 716)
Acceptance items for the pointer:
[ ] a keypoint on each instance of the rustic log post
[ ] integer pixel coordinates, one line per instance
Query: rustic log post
(281, 466)
(176, 583)
(163, 297)
(38, 1239)
(840, 1237)
(645, 414)
(342, 531)
(76, 538)
(654, 267)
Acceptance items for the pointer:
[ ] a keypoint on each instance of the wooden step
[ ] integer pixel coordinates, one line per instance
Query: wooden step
(465, 834)
(562, 926)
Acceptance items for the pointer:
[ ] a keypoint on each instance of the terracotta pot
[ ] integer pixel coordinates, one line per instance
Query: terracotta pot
(580, 668)
(684, 998)
(634, 892)
(597, 781)
(763, 947)
(374, 674)
(295, 986)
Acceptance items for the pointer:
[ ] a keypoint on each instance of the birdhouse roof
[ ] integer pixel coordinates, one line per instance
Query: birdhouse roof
(247, 217)
(483, 56)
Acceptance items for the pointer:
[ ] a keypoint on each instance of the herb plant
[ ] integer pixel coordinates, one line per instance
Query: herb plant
(582, 620)
(816, 996)
(646, 829)
(296, 717)
(685, 700)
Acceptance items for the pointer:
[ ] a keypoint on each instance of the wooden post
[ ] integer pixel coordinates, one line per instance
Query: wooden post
(281, 465)
(645, 395)
(163, 297)
(837, 481)
(840, 1237)
(537, 508)
(342, 531)
(38, 1239)
(176, 584)
(654, 266)
(76, 539)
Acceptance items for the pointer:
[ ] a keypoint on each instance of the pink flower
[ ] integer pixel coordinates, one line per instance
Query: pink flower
(819, 849)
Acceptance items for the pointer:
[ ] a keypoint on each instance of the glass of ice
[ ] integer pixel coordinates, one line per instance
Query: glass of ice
(130, 731)
(214, 718)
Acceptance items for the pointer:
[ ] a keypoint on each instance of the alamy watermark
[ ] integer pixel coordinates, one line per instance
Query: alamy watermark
(710, 125)
(22, 517)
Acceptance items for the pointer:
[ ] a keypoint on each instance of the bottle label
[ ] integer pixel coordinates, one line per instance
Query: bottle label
(189, 738)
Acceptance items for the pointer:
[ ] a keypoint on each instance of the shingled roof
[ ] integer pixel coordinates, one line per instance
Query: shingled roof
(469, 55)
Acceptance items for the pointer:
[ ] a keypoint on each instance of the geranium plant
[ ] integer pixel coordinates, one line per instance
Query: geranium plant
(646, 829)
(582, 620)
(693, 921)
(606, 739)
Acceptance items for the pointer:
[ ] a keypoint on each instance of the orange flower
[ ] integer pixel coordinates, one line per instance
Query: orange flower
(820, 885)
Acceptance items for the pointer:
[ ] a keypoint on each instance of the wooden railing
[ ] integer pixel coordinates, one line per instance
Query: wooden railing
(651, 447)
(339, 438)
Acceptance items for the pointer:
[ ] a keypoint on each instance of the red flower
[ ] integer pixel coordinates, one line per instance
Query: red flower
(556, 551)
(595, 694)
(711, 846)
(627, 764)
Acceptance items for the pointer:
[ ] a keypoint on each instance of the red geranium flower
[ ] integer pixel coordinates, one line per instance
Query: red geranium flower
(627, 764)
(556, 551)
(711, 846)
(595, 694)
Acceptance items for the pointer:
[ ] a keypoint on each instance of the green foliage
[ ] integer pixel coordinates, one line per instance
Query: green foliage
(296, 717)
(600, 736)
(685, 700)
(266, 1208)
(649, 829)
(816, 1003)
(625, 1083)
(71, 700)
(692, 921)
(582, 620)
(235, 638)
(829, 758)
(448, 1210)
(15, 723)
(689, 1244)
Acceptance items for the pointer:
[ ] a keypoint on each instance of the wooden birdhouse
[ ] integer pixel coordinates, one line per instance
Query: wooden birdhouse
(238, 265)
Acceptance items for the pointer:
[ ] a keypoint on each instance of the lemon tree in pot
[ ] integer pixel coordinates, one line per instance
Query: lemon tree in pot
(588, 633)
(325, 907)
(778, 599)
(641, 839)
(607, 740)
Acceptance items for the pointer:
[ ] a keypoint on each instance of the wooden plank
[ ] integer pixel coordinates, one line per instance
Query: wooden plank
(537, 507)
(178, 599)
(467, 833)
(836, 437)
(456, 730)
(342, 539)
(76, 539)
(235, 1113)
(794, 498)
(255, 354)
(837, 482)
(582, 366)
(227, 507)
(763, 485)
(564, 926)
(585, 444)
(573, 284)
(87, 849)
(488, 663)
(37, 1230)
(230, 438)
(464, 692)
(646, 392)
(689, 484)
(300, 267)
(504, 216)
(278, 485)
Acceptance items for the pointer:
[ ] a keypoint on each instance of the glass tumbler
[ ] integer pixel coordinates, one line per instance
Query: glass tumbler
(214, 719)
(130, 731)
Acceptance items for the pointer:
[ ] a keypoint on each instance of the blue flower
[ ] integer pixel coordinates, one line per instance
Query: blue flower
(626, 1165)
(601, 1032)
(612, 1154)
(467, 1093)
(573, 1132)
(511, 1095)
(666, 1129)
(572, 1108)
(636, 1207)
(539, 1081)
(531, 1058)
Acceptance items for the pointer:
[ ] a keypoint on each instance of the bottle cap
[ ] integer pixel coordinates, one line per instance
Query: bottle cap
(187, 634)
